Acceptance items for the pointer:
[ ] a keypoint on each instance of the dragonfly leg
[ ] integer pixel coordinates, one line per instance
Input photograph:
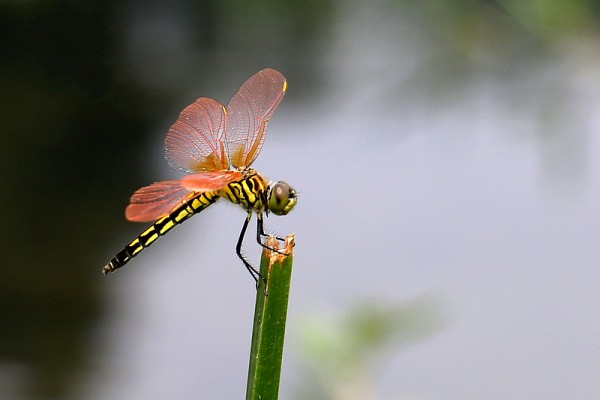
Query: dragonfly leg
(238, 250)
(260, 234)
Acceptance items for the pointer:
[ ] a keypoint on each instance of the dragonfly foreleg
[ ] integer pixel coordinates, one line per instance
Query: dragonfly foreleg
(262, 230)
(260, 234)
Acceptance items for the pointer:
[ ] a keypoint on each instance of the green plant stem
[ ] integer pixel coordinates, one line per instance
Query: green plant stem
(269, 322)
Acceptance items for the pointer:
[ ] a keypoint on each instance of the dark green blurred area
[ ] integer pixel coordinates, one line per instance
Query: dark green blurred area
(74, 114)
(67, 127)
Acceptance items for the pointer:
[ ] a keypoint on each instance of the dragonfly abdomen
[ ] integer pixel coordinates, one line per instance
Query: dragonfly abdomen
(160, 228)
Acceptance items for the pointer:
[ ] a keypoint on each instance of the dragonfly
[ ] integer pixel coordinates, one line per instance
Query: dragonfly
(215, 145)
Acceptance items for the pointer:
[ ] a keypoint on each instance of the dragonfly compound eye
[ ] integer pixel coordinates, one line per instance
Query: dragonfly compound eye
(282, 198)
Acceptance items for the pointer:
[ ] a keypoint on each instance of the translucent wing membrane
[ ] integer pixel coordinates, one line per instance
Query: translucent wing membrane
(152, 202)
(248, 113)
(210, 180)
(195, 141)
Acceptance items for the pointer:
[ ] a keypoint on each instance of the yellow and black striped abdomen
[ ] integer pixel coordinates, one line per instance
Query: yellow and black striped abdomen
(193, 206)
(249, 192)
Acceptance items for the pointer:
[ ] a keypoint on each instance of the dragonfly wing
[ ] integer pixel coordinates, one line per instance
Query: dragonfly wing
(249, 112)
(210, 180)
(152, 202)
(195, 141)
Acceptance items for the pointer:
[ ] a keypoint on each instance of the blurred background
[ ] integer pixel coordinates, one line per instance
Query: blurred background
(448, 162)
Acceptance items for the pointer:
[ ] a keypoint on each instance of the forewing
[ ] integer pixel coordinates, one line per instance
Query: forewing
(157, 200)
(210, 180)
(195, 141)
(248, 113)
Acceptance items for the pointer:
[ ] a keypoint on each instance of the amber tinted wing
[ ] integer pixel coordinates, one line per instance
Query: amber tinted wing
(210, 180)
(152, 202)
(248, 113)
(159, 199)
(195, 141)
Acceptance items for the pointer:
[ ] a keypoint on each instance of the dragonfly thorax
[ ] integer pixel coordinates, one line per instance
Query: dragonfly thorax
(255, 193)
(250, 192)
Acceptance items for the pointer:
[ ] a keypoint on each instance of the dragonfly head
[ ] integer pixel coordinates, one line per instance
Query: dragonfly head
(281, 198)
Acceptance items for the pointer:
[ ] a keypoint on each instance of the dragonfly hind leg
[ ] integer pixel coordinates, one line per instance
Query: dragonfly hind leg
(238, 250)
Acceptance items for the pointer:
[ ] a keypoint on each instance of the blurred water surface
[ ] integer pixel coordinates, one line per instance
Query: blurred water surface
(446, 152)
